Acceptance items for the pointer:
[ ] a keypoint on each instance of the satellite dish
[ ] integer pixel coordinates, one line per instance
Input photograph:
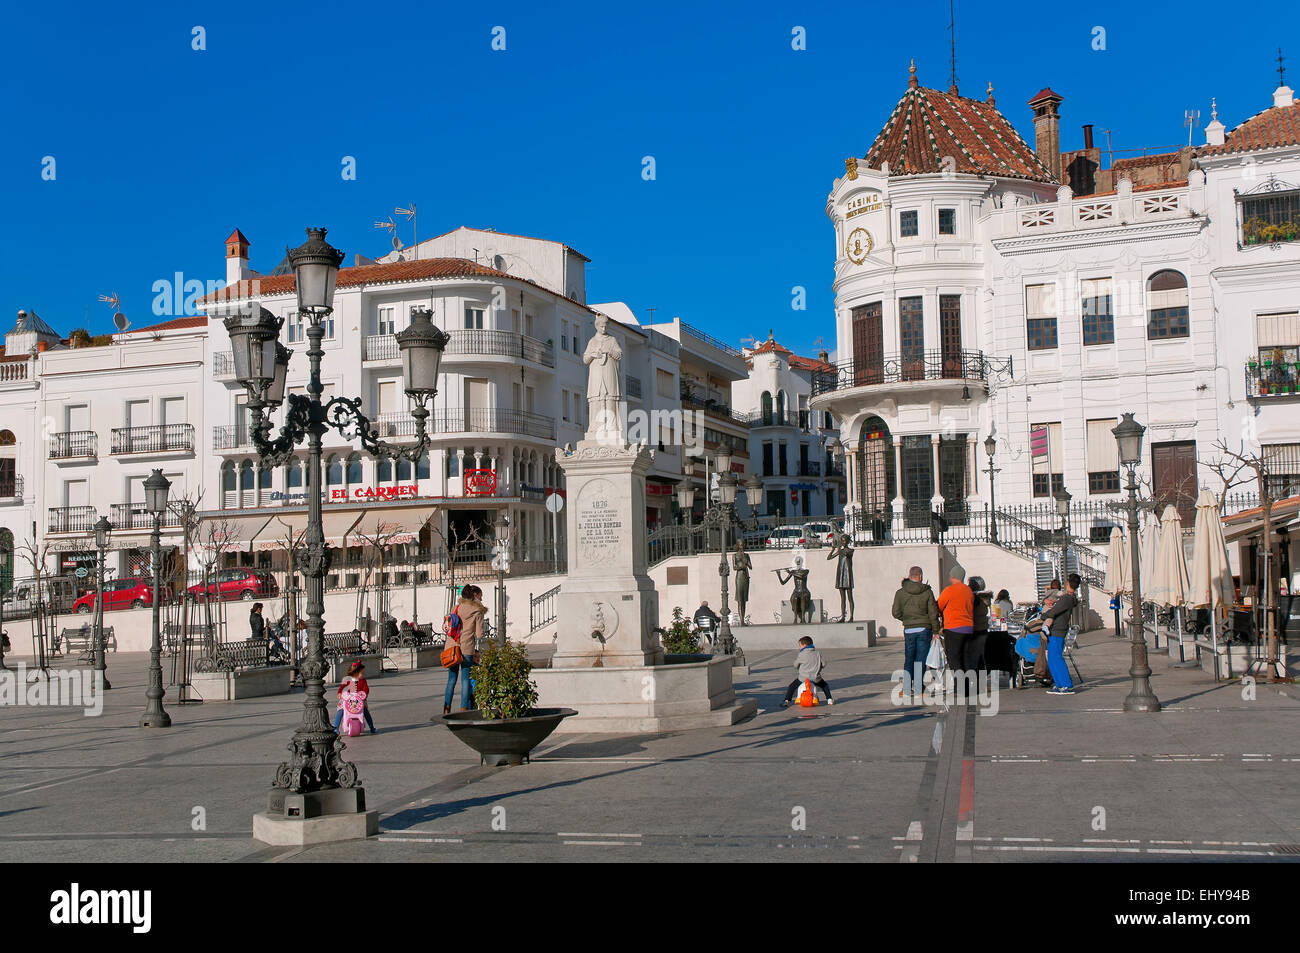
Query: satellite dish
(498, 263)
(121, 321)
(397, 243)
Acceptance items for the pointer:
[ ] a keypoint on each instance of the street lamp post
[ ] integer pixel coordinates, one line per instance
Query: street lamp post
(261, 365)
(686, 503)
(1128, 434)
(103, 536)
(502, 564)
(1062, 498)
(155, 495)
(723, 516)
(991, 447)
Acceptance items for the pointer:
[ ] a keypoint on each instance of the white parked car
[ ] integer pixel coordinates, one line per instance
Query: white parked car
(786, 537)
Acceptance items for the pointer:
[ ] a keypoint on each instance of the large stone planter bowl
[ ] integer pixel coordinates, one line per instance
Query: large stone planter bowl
(505, 740)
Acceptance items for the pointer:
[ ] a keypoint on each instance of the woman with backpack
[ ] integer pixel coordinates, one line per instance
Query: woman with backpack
(464, 627)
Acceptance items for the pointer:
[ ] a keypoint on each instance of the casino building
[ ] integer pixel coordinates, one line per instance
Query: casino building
(984, 286)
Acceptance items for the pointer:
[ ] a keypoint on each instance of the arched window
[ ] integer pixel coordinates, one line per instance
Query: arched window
(228, 481)
(354, 469)
(422, 468)
(767, 407)
(780, 407)
(295, 474)
(385, 470)
(6, 558)
(7, 438)
(403, 471)
(264, 476)
(1167, 306)
(334, 471)
(246, 475)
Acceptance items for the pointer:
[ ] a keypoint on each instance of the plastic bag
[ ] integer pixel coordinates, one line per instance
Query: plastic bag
(934, 659)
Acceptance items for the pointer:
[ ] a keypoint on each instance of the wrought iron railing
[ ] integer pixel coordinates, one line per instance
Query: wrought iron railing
(231, 437)
(135, 516)
(153, 439)
(758, 418)
(542, 610)
(74, 443)
(11, 488)
(715, 407)
(492, 420)
(634, 387)
(501, 344)
(710, 339)
(71, 519)
(1273, 379)
(934, 365)
(223, 364)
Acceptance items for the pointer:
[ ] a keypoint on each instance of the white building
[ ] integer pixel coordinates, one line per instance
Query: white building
(790, 445)
(986, 287)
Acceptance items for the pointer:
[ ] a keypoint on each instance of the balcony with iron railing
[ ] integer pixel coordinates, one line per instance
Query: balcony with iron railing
(231, 437)
(11, 489)
(714, 408)
(633, 387)
(127, 516)
(382, 348)
(223, 365)
(71, 519)
(490, 420)
(710, 340)
(158, 438)
(918, 367)
(1272, 379)
(74, 445)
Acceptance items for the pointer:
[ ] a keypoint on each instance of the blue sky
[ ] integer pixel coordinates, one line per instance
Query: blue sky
(161, 150)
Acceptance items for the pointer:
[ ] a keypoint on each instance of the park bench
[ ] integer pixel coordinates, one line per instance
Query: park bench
(82, 640)
(419, 637)
(233, 656)
(342, 643)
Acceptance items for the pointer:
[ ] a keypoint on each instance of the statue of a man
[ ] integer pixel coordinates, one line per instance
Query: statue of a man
(604, 384)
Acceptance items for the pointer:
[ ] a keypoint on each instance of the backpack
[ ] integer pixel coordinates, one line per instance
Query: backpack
(451, 624)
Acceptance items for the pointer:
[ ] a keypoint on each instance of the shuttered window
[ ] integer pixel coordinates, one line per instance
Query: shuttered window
(1047, 481)
(1040, 317)
(1103, 457)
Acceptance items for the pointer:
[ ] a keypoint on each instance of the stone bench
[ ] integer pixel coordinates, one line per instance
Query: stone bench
(244, 683)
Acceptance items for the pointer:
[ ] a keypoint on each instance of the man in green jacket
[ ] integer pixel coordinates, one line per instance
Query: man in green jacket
(917, 611)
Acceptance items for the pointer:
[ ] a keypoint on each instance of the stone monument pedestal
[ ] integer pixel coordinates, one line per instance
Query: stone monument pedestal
(608, 662)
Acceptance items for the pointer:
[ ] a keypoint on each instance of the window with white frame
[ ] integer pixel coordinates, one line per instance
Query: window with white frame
(1047, 451)
(1040, 317)
(295, 328)
(1098, 312)
(386, 320)
(1103, 457)
(473, 318)
(908, 224)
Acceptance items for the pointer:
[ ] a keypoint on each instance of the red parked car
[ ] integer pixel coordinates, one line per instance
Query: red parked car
(131, 592)
(247, 584)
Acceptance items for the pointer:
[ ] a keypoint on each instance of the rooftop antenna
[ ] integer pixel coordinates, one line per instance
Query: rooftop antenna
(952, 45)
(415, 225)
(1110, 153)
(651, 312)
(391, 227)
(1281, 70)
(1190, 118)
(120, 321)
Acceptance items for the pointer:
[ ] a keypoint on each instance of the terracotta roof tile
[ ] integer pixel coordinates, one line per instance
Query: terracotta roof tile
(175, 324)
(810, 363)
(364, 275)
(928, 126)
(1275, 126)
(1142, 162)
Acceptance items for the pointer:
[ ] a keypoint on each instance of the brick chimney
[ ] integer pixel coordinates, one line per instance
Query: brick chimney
(1047, 130)
(236, 257)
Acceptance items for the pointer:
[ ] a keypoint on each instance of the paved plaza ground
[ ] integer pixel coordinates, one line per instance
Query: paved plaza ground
(1212, 777)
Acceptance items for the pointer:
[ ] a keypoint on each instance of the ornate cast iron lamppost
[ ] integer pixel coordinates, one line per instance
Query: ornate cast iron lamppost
(155, 496)
(103, 536)
(1062, 498)
(991, 447)
(316, 767)
(1128, 434)
(723, 515)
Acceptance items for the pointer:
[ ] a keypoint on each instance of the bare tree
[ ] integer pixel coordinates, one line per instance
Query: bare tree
(1256, 465)
(1231, 473)
(454, 544)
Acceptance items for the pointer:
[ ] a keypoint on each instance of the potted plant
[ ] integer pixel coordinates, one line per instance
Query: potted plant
(678, 639)
(506, 726)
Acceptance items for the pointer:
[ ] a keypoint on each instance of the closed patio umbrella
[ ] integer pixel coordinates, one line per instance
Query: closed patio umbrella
(1119, 579)
(1170, 582)
(1211, 577)
(1148, 544)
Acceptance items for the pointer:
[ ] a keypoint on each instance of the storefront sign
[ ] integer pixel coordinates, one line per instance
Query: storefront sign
(480, 482)
(377, 492)
(866, 202)
(658, 489)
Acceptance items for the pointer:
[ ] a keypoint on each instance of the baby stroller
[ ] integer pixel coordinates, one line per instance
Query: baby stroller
(1026, 627)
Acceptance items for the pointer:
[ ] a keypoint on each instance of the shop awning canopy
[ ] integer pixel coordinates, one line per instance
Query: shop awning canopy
(390, 525)
(230, 531)
(285, 531)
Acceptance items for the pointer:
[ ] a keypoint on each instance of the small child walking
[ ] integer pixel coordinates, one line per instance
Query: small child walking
(808, 665)
(355, 680)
